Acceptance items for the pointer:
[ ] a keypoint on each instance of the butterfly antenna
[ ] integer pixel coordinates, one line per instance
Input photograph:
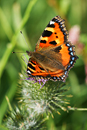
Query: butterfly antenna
(18, 52)
(24, 38)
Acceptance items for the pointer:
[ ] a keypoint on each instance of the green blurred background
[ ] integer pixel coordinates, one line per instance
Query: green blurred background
(32, 18)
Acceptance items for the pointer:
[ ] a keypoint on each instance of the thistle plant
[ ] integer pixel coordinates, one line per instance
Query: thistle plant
(36, 105)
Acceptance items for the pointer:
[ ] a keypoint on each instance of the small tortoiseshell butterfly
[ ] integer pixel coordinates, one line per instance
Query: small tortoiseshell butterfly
(54, 55)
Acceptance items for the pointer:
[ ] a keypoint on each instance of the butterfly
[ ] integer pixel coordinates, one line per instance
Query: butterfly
(54, 55)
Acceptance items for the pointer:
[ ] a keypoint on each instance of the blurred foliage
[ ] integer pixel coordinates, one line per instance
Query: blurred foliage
(32, 16)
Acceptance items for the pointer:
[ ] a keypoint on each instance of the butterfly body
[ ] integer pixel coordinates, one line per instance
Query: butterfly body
(54, 55)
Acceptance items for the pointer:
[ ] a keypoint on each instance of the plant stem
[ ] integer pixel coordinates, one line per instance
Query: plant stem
(12, 44)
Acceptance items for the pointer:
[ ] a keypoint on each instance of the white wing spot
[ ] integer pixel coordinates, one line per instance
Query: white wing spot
(28, 72)
(52, 22)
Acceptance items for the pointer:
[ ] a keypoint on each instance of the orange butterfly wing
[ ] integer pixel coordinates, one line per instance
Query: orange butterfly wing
(54, 56)
(55, 34)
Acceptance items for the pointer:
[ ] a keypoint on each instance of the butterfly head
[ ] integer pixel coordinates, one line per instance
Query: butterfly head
(29, 53)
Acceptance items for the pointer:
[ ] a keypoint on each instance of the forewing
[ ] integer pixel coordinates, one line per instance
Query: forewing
(54, 34)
